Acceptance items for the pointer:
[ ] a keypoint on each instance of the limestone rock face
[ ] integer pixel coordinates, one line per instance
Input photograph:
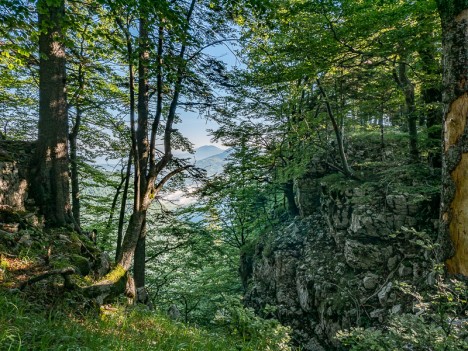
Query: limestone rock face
(307, 188)
(14, 164)
(333, 269)
(365, 256)
(13, 189)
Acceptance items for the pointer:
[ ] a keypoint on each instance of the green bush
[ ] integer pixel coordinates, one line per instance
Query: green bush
(440, 323)
(240, 321)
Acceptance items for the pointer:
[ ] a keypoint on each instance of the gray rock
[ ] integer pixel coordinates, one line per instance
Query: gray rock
(384, 293)
(25, 240)
(13, 186)
(173, 312)
(304, 297)
(365, 256)
(370, 281)
(377, 313)
(398, 204)
(396, 309)
(392, 262)
(104, 264)
(307, 195)
(313, 345)
(309, 269)
(404, 271)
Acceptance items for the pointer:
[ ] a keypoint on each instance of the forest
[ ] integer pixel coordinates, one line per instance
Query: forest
(286, 175)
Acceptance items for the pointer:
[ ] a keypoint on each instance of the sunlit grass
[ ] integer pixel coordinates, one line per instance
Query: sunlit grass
(25, 327)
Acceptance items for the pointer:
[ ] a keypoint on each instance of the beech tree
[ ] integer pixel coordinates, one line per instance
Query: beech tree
(454, 204)
(163, 76)
(50, 166)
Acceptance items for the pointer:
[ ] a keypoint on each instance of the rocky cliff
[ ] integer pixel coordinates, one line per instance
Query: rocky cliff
(344, 261)
(14, 164)
(22, 234)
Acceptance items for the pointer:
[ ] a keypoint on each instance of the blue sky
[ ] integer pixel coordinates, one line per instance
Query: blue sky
(194, 126)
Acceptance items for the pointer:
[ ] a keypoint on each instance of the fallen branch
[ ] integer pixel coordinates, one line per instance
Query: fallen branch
(64, 272)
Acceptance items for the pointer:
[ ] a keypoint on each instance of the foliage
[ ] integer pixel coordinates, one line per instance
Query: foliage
(243, 322)
(190, 268)
(440, 323)
(313, 74)
(26, 325)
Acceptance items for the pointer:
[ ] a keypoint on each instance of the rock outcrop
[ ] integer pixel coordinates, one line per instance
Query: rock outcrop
(14, 164)
(58, 251)
(338, 266)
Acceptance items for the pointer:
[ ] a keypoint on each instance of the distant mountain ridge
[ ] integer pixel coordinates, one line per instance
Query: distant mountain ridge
(207, 151)
(214, 164)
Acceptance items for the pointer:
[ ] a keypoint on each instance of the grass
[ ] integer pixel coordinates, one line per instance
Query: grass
(29, 326)
(47, 316)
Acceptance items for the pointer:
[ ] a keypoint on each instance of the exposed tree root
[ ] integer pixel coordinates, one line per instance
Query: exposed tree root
(116, 283)
(64, 272)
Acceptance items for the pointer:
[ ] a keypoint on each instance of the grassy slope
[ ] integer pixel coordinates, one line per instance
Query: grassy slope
(46, 316)
(30, 326)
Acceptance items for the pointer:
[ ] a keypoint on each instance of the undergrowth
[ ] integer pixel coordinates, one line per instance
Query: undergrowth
(28, 326)
(439, 322)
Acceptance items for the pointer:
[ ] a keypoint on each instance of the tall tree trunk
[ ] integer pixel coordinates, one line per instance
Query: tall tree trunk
(139, 265)
(142, 136)
(130, 240)
(432, 96)
(454, 205)
(407, 88)
(73, 138)
(76, 207)
(288, 189)
(145, 177)
(346, 169)
(123, 205)
(50, 168)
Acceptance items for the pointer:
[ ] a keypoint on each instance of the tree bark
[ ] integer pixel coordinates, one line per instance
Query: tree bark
(147, 169)
(432, 97)
(73, 138)
(130, 240)
(123, 206)
(454, 204)
(139, 264)
(288, 189)
(139, 269)
(407, 87)
(346, 169)
(50, 166)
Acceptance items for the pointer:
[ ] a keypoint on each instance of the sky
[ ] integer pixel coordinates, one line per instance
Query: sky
(194, 126)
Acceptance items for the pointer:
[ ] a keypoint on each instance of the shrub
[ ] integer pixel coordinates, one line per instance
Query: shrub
(243, 322)
(440, 323)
